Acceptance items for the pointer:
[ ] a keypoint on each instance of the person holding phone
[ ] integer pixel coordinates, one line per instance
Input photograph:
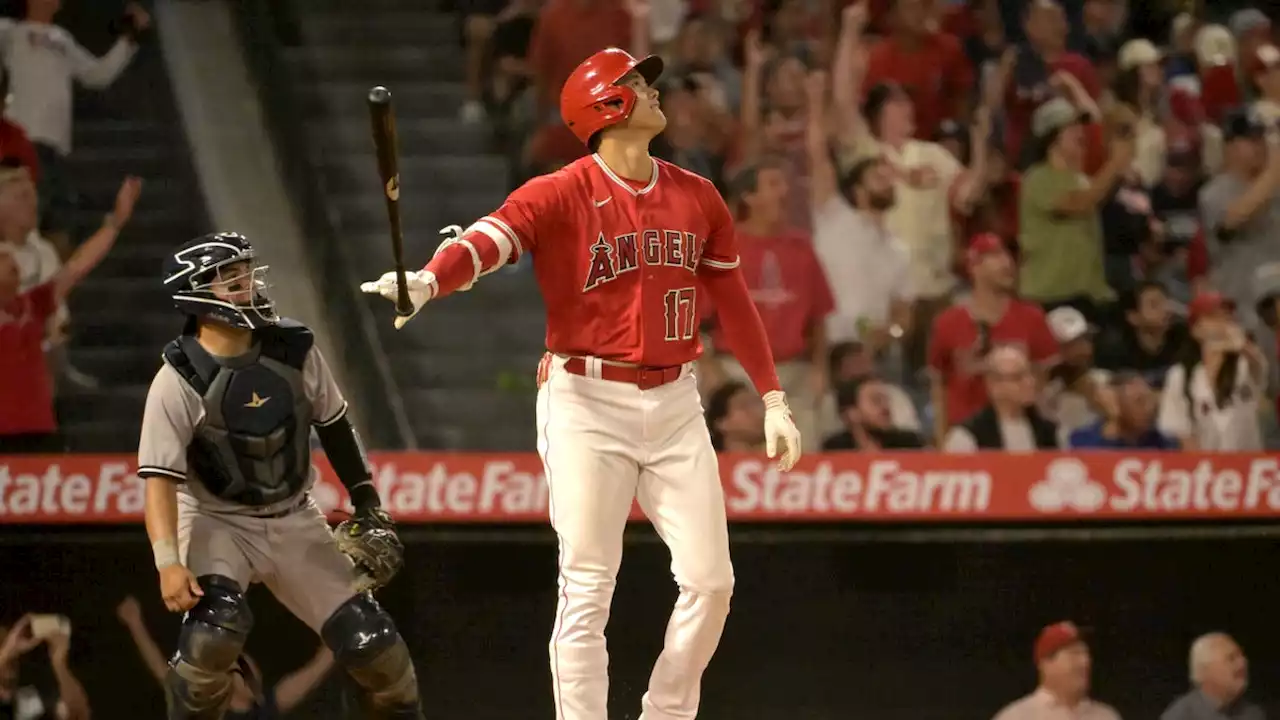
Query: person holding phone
(26, 703)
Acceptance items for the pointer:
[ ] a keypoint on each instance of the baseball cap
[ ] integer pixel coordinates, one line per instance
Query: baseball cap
(1055, 637)
(1139, 51)
(984, 244)
(1207, 303)
(1067, 324)
(1053, 116)
(1239, 123)
(1249, 20)
(1266, 287)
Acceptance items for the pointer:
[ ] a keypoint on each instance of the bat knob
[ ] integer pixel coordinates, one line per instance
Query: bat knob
(379, 95)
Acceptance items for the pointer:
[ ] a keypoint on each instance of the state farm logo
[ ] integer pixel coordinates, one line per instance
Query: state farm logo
(1067, 486)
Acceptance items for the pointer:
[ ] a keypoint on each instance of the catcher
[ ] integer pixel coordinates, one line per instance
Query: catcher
(226, 456)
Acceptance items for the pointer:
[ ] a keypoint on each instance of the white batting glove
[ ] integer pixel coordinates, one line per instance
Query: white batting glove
(421, 284)
(780, 433)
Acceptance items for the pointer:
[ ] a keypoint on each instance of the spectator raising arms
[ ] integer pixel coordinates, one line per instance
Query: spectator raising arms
(1061, 238)
(250, 699)
(930, 65)
(1241, 209)
(928, 180)
(43, 61)
(28, 703)
(869, 268)
(27, 422)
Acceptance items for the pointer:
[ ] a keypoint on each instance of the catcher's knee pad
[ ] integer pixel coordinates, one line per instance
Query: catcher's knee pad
(198, 684)
(365, 642)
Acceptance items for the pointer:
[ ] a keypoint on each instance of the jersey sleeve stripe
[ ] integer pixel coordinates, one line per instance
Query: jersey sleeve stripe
(720, 264)
(506, 229)
(499, 238)
(146, 471)
(336, 417)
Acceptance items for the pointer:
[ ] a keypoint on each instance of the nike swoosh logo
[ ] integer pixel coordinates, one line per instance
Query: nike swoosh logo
(602, 203)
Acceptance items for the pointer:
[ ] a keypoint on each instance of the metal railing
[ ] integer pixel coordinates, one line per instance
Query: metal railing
(261, 24)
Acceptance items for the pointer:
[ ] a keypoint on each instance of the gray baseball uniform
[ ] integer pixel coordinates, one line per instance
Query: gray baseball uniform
(285, 544)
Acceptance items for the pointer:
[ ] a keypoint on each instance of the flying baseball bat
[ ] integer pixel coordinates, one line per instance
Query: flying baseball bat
(385, 141)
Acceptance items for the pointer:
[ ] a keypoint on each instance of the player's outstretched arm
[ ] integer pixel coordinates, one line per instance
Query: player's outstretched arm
(466, 255)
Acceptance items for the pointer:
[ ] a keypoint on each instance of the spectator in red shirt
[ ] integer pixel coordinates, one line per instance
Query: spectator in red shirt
(964, 333)
(931, 66)
(27, 423)
(1026, 73)
(789, 288)
(568, 32)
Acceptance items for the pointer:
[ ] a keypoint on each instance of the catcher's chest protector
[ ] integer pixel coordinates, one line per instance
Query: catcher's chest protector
(253, 446)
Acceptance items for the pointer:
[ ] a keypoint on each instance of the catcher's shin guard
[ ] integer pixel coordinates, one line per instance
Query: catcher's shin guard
(365, 642)
(198, 684)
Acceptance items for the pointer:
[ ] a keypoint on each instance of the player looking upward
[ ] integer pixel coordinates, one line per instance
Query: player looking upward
(622, 244)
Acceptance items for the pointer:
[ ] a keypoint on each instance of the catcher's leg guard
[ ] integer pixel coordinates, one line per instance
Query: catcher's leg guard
(364, 640)
(198, 684)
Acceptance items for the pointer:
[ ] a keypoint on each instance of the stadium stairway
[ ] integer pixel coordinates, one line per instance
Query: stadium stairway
(465, 367)
(120, 316)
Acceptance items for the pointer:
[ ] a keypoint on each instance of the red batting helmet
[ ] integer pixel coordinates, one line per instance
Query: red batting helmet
(591, 100)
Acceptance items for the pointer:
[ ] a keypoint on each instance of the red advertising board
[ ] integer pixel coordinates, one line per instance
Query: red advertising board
(509, 488)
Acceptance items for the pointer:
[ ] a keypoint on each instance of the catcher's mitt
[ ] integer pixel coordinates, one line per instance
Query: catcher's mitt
(369, 539)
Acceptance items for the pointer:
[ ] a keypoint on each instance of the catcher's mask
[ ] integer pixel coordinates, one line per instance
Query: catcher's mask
(218, 277)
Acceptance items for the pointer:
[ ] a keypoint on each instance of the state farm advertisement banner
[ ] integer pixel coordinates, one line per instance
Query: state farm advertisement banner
(458, 488)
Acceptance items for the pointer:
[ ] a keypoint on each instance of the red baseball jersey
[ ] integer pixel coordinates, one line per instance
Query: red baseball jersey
(958, 345)
(617, 260)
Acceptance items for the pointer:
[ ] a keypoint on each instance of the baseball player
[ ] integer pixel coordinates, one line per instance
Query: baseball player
(622, 246)
(225, 451)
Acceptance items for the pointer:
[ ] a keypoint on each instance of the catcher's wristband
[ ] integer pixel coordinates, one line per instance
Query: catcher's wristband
(165, 552)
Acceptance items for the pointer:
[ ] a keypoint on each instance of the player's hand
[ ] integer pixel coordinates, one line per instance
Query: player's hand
(421, 285)
(179, 588)
(781, 438)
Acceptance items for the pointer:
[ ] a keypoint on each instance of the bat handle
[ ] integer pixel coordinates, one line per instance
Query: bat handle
(404, 305)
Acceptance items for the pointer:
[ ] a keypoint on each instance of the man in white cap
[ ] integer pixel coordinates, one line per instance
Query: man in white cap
(1076, 389)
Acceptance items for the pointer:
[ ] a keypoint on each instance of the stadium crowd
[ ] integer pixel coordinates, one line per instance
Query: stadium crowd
(44, 250)
(966, 225)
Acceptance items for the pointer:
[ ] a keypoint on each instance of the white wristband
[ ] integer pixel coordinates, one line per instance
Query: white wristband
(165, 552)
(775, 400)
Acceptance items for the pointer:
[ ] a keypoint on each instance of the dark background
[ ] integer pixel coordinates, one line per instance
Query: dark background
(823, 626)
